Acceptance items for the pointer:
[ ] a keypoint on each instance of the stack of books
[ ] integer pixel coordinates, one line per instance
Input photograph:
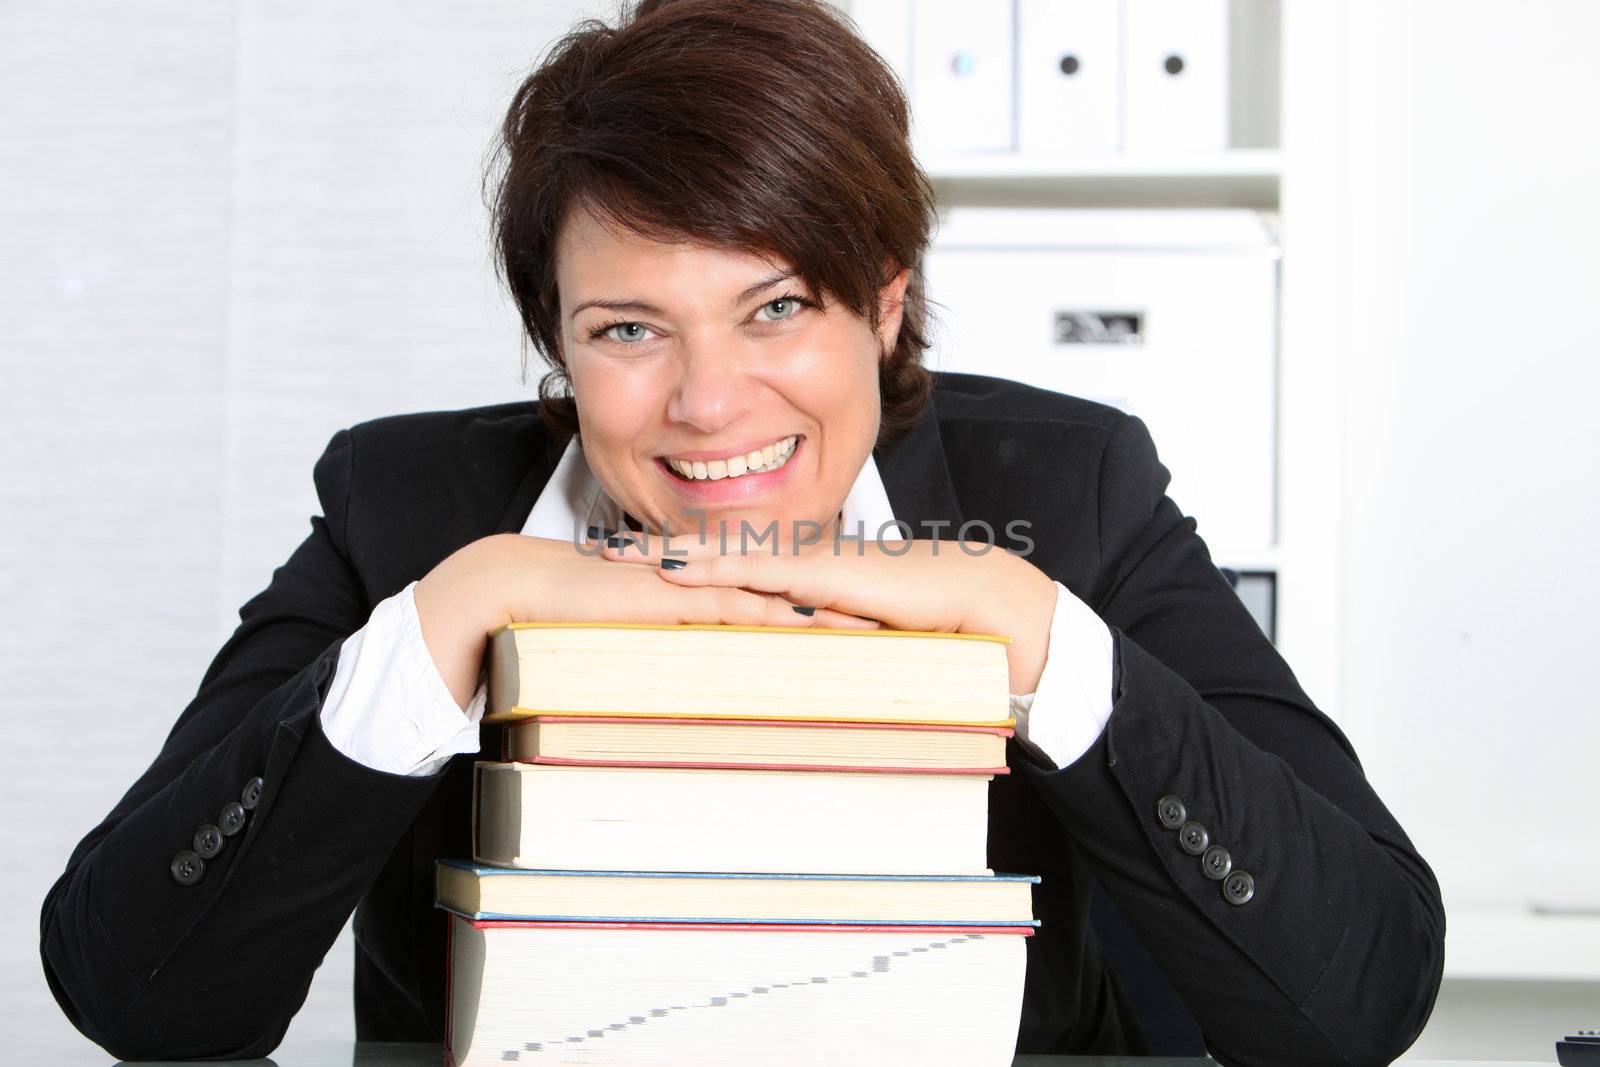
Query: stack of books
(724, 844)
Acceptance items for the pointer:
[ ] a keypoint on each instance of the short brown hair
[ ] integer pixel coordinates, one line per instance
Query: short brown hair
(767, 126)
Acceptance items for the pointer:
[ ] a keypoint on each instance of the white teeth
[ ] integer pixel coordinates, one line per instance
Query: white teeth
(769, 458)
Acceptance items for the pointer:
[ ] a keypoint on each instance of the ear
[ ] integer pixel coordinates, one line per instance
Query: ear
(891, 307)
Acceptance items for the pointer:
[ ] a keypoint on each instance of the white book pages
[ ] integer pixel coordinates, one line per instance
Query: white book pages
(791, 822)
(529, 994)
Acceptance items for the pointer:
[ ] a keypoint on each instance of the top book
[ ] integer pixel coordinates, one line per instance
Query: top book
(814, 674)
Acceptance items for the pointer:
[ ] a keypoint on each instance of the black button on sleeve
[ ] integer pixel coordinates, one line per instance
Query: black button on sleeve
(1238, 888)
(1216, 863)
(208, 841)
(1194, 838)
(251, 795)
(1171, 812)
(232, 818)
(187, 868)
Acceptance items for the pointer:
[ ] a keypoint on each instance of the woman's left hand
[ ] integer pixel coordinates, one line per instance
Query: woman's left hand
(906, 585)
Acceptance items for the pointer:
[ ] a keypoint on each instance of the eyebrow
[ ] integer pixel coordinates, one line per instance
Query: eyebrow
(651, 309)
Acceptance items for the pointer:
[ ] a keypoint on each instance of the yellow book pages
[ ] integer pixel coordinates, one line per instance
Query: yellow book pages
(747, 672)
(730, 628)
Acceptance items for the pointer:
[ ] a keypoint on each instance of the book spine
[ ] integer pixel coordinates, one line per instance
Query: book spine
(518, 713)
(561, 761)
(790, 724)
(724, 627)
(767, 928)
(483, 871)
(651, 921)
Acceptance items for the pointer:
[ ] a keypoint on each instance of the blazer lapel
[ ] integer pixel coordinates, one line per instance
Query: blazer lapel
(545, 459)
(917, 479)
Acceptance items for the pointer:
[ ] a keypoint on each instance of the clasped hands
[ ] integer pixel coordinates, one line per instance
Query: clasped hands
(940, 586)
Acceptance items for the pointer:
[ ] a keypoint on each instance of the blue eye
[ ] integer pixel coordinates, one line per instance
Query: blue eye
(791, 306)
(622, 324)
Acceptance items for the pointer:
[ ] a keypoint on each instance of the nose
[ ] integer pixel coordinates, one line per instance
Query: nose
(713, 386)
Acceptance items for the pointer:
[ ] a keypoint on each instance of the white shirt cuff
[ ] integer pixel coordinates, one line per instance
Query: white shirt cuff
(1069, 710)
(387, 706)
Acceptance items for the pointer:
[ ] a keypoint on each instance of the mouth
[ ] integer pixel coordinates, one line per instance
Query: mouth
(765, 460)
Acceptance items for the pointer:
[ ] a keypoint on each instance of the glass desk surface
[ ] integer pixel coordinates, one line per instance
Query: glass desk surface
(383, 1054)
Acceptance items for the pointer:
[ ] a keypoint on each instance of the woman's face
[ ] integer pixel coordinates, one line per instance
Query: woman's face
(693, 364)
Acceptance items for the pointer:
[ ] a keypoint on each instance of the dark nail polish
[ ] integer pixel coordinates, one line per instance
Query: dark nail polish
(618, 541)
(673, 564)
(592, 533)
(804, 611)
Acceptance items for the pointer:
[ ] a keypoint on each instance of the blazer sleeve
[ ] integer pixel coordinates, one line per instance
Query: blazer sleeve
(1337, 954)
(155, 958)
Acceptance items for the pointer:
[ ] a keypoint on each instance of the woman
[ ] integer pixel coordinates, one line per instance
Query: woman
(710, 221)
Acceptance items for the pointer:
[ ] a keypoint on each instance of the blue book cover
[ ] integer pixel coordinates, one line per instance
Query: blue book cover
(483, 871)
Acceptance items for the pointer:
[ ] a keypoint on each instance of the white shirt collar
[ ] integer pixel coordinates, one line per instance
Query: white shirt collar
(573, 500)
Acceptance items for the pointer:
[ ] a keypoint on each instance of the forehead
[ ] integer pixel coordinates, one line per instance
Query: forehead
(594, 254)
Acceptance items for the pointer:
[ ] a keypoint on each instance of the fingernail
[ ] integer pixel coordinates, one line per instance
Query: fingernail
(618, 541)
(804, 611)
(674, 564)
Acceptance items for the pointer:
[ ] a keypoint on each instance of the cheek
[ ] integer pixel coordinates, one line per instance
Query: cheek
(616, 402)
(836, 375)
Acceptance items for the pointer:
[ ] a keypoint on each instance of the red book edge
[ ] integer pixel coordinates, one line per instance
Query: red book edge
(557, 761)
(505, 748)
(808, 928)
(811, 724)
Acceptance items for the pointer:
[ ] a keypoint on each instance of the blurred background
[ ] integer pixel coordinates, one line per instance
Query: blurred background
(228, 230)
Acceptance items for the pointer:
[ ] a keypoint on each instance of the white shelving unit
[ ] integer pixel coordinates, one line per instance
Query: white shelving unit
(1237, 177)
(1249, 174)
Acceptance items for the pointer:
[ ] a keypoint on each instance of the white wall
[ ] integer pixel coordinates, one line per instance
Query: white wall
(1471, 446)
(1469, 505)
(226, 231)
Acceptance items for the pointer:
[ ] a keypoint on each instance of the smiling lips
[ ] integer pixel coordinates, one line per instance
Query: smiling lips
(757, 461)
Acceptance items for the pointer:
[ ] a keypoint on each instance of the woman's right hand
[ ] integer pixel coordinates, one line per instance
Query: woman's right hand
(509, 578)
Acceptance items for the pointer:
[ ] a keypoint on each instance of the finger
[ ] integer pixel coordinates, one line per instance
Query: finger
(741, 607)
(827, 618)
(661, 602)
(806, 580)
(816, 618)
(777, 610)
(632, 546)
(638, 546)
(805, 615)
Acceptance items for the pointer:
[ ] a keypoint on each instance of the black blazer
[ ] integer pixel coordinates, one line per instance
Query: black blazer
(1335, 958)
